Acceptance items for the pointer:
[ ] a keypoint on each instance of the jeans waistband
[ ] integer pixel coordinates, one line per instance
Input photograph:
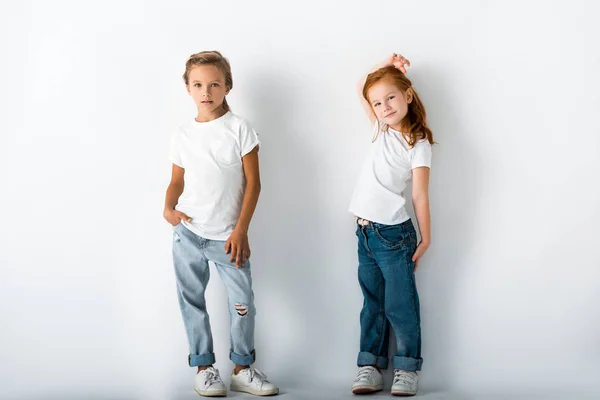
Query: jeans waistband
(366, 222)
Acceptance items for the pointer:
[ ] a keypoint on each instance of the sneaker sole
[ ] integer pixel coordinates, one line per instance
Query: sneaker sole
(211, 393)
(255, 392)
(398, 393)
(366, 389)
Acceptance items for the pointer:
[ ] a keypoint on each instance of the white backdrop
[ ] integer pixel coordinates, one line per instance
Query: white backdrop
(91, 92)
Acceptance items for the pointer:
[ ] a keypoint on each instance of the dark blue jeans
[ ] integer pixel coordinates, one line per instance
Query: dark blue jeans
(386, 277)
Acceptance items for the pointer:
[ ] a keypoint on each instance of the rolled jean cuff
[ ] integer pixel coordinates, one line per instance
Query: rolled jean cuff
(407, 363)
(366, 358)
(242, 360)
(201, 360)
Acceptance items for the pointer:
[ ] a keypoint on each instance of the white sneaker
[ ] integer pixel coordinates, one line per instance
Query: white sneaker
(368, 380)
(208, 383)
(251, 380)
(405, 383)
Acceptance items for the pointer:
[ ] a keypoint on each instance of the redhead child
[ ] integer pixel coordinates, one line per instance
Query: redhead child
(210, 201)
(388, 252)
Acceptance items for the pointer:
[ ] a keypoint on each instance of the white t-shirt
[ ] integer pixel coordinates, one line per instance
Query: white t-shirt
(385, 173)
(211, 154)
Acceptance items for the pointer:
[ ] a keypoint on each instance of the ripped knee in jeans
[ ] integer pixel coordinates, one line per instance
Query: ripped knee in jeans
(241, 309)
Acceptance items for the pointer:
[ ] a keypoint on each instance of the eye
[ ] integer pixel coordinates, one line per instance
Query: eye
(215, 85)
(376, 104)
(391, 97)
(197, 85)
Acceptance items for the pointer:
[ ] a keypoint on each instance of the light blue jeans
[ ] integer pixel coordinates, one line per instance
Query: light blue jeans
(191, 254)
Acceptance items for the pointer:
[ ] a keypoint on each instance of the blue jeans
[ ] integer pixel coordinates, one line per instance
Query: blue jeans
(191, 254)
(386, 277)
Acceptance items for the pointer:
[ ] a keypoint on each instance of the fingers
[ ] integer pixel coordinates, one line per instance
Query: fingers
(239, 259)
(400, 62)
(234, 250)
(244, 255)
(400, 65)
(401, 58)
(416, 257)
(238, 249)
(184, 216)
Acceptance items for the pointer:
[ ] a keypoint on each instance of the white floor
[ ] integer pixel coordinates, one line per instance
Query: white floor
(292, 392)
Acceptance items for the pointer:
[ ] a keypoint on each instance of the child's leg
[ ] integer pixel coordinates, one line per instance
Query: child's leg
(373, 323)
(238, 282)
(192, 274)
(397, 244)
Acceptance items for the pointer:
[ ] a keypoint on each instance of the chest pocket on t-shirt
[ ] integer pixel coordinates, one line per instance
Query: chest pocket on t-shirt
(226, 154)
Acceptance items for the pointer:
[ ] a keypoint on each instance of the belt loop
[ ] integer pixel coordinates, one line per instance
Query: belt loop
(363, 222)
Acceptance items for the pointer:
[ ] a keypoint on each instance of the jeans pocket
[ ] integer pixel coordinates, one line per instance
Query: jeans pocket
(176, 238)
(391, 236)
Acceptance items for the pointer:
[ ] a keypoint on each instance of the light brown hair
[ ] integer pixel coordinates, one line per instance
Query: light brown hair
(210, 58)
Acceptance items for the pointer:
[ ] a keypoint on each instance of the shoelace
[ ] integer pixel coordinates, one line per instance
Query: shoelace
(211, 376)
(255, 373)
(404, 377)
(363, 373)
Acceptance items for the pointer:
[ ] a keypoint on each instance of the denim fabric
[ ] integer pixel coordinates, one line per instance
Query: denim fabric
(386, 277)
(191, 254)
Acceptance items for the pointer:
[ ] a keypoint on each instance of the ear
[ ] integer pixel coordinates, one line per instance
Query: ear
(187, 87)
(409, 95)
(227, 91)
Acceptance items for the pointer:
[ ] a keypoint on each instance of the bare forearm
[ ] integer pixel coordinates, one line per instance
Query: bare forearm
(172, 196)
(421, 206)
(361, 83)
(248, 206)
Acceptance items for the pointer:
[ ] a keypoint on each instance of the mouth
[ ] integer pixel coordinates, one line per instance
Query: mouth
(207, 102)
(392, 113)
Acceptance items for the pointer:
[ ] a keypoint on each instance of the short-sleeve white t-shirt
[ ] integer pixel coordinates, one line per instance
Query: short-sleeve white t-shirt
(211, 154)
(378, 196)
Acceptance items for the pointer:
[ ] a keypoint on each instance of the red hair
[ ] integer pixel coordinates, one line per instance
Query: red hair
(415, 121)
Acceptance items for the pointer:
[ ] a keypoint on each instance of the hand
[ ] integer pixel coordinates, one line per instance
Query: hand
(421, 249)
(237, 245)
(398, 61)
(174, 217)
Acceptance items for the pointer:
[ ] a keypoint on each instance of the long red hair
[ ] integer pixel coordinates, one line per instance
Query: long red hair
(415, 122)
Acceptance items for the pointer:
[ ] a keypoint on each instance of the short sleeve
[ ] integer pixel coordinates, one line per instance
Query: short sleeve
(174, 154)
(248, 138)
(420, 154)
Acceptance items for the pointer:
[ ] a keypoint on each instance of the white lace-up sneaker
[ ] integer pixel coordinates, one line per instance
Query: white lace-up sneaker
(368, 380)
(405, 383)
(253, 381)
(208, 383)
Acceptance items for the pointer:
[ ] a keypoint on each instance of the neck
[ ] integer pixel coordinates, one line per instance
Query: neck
(397, 127)
(216, 113)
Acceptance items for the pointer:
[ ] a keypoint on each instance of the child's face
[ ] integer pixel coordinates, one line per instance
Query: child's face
(389, 103)
(207, 88)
